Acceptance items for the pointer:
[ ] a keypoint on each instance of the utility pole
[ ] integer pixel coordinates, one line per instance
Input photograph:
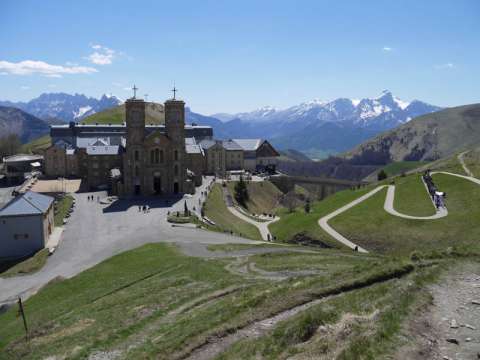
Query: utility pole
(22, 313)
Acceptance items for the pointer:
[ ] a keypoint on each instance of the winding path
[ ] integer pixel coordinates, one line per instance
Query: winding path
(462, 162)
(262, 226)
(388, 207)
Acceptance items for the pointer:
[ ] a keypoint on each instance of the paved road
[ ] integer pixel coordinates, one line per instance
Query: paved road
(96, 232)
(262, 226)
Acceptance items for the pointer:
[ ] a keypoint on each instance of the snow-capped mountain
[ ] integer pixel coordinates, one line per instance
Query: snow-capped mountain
(63, 106)
(384, 111)
(326, 125)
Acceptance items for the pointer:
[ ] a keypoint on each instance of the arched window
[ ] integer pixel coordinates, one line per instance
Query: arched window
(176, 155)
(136, 155)
(175, 170)
(136, 171)
(161, 156)
(157, 156)
(152, 159)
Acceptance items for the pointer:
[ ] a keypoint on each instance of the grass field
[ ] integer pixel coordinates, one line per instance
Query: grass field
(62, 208)
(291, 224)
(399, 167)
(27, 266)
(263, 196)
(411, 196)
(472, 160)
(155, 302)
(116, 115)
(216, 210)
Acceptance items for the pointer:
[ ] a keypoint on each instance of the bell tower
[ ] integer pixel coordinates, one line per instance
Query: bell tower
(135, 121)
(133, 168)
(175, 131)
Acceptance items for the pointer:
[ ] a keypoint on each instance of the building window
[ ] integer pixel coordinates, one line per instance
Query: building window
(136, 171)
(152, 160)
(176, 155)
(161, 156)
(137, 155)
(157, 156)
(175, 170)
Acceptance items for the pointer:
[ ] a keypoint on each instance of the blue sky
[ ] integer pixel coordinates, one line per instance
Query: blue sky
(232, 56)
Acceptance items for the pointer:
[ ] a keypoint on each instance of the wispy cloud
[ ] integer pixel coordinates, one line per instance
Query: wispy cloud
(29, 67)
(387, 49)
(52, 86)
(24, 87)
(102, 55)
(444, 66)
(122, 86)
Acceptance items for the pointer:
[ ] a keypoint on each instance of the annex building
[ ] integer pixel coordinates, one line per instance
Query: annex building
(136, 158)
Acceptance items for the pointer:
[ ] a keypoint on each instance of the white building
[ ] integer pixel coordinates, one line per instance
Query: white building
(26, 223)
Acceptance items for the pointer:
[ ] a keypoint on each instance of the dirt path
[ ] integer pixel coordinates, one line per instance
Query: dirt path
(448, 328)
(464, 166)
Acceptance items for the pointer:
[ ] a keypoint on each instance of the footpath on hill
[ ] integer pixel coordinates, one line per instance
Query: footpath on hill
(388, 207)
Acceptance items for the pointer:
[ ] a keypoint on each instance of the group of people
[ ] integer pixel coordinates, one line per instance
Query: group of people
(437, 196)
(144, 208)
(91, 198)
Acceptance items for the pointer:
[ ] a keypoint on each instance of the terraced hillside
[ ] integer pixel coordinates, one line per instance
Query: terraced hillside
(155, 302)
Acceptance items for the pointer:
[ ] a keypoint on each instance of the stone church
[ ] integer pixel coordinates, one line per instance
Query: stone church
(154, 163)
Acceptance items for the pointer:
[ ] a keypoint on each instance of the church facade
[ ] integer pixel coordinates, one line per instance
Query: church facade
(154, 164)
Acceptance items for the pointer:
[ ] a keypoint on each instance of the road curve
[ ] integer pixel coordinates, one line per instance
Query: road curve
(262, 226)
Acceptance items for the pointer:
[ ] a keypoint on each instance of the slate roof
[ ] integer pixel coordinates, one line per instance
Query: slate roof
(249, 144)
(231, 145)
(30, 203)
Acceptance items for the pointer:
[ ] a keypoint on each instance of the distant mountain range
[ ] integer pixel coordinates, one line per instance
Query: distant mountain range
(315, 128)
(64, 106)
(333, 126)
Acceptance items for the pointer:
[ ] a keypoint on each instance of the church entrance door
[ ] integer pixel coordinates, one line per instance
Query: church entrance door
(137, 189)
(175, 188)
(157, 185)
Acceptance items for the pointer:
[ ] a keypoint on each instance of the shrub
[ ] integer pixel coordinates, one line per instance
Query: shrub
(382, 175)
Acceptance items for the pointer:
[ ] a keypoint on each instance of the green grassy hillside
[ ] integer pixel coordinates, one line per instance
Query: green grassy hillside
(428, 137)
(153, 302)
(216, 210)
(371, 227)
(263, 196)
(153, 115)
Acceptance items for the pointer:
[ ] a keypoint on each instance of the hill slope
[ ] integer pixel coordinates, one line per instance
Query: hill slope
(428, 137)
(26, 126)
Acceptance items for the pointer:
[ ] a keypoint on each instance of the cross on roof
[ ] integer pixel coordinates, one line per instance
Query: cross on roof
(134, 91)
(174, 90)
